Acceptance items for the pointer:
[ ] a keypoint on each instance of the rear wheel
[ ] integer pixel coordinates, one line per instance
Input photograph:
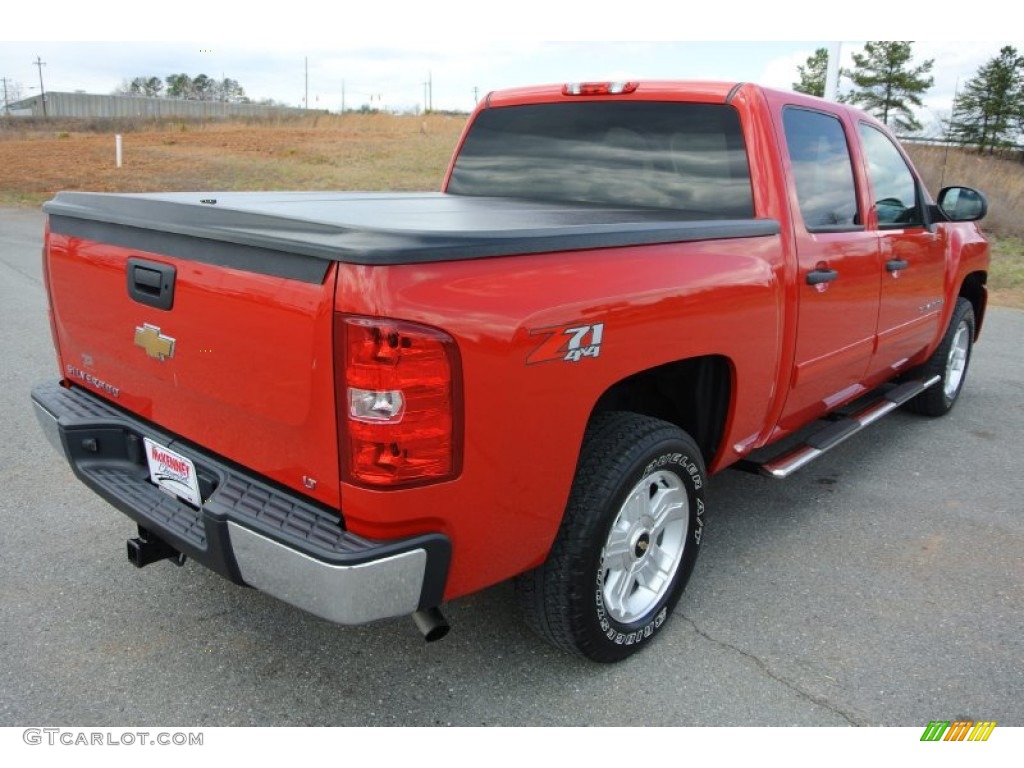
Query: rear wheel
(628, 542)
(949, 361)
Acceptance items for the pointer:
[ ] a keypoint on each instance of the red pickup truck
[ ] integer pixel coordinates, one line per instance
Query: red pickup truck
(368, 404)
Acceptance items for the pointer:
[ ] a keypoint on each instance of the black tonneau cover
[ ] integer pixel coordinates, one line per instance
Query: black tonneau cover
(366, 228)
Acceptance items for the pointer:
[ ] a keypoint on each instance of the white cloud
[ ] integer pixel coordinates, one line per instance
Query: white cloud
(782, 71)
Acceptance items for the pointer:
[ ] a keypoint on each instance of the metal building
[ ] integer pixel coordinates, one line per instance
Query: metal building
(60, 104)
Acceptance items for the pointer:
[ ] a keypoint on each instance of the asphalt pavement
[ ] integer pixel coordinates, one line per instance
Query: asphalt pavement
(882, 585)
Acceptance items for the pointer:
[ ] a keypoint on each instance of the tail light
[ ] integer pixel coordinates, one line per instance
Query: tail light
(399, 402)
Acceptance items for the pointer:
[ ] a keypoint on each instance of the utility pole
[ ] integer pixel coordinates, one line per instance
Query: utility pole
(949, 132)
(476, 95)
(343, 97)
(306, 100)
(428, 94)
(42, 92)
(832, 71)
(7, 108)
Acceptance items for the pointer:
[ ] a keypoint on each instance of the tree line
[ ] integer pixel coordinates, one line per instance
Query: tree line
(182, 86)
(988, 110)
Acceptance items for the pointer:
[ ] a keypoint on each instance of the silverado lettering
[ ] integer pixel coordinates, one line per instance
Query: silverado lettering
(689, 271)
(78, 373)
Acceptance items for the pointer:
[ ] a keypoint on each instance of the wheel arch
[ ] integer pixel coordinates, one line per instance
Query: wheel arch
(973, 288)
(695, 394)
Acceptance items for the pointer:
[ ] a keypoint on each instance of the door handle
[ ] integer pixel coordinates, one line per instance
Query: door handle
(895, 265)
(819, 276)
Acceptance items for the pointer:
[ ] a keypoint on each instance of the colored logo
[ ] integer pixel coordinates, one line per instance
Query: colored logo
(959, 730)
(157, 345)
(567, 343)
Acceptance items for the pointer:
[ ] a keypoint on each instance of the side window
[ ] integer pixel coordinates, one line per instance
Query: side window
(822, 170)
(892, 183)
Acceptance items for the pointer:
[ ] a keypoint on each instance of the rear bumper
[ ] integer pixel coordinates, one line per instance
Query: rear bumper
(248, 530)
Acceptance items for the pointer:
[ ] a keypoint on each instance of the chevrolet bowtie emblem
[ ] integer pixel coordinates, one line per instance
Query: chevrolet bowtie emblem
(155, 343)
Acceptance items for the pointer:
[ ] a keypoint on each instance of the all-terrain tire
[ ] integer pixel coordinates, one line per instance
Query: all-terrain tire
(949, 361)
(628, 541)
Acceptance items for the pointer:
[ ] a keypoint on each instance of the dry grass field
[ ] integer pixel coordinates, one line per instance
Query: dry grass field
(1002, 181)
(371, 152)
(355, 152)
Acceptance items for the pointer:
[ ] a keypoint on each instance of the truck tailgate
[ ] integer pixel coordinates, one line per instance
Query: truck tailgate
(240, 362)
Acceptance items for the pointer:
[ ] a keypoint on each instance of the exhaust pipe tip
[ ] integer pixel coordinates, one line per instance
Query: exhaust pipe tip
(431, 623)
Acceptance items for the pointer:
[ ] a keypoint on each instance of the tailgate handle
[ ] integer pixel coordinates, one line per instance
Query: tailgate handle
(151, 283)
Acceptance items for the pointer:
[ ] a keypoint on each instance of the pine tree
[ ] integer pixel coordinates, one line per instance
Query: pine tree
(812, 74)
(987, 113)
(203, 87)
(179, 86)
(886, 85)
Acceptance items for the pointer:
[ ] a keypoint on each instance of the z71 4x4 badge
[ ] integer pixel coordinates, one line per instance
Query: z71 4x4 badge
(568, 343)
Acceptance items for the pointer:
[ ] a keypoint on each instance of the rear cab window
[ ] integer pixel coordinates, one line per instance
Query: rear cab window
(685, 157)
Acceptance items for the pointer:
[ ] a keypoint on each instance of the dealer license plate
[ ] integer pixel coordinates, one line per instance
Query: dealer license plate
(172, 473)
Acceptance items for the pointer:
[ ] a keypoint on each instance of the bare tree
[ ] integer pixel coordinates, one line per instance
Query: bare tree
(229, 90)
(11, 93)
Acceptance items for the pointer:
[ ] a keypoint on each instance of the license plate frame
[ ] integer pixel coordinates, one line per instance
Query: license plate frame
(172, 473)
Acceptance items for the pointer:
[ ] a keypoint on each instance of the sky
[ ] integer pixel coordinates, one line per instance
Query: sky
(384, 55)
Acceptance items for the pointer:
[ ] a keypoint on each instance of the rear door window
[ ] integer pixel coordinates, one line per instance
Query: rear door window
(820, 158)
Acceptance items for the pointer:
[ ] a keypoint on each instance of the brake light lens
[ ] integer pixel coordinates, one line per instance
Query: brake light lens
(399, 402)
(598, 89)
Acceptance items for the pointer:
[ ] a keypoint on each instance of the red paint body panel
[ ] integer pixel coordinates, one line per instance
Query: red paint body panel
(503, 511)
(264, 395)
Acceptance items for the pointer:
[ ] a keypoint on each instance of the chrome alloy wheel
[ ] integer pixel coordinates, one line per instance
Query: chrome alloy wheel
(644, 547)
(956, 363)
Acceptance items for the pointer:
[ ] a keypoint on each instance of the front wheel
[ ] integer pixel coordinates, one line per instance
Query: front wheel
(628, 542)
(949, 361)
